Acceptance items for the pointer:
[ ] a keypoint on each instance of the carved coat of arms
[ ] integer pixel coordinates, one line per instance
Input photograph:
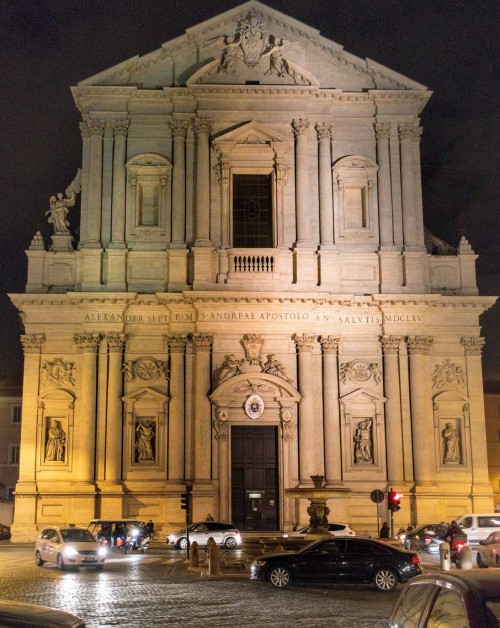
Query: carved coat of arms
(58, 372)
(448, 375)
(359, 371)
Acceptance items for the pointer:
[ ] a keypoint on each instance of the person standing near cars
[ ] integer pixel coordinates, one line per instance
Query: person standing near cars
(384, 531)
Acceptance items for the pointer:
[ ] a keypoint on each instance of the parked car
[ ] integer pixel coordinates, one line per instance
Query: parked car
(23, 614)
(343, 559)
(426, 537)
(488, 553)
(478, 527)
(224, 534)
(462, 599)
(4, 532)
(335, 529)
(112, 532)
(71, 546)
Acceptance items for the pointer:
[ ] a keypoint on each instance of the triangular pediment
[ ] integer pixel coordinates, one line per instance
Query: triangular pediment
(363, 395)
(251, 133)
(252, 44)
(140, 394)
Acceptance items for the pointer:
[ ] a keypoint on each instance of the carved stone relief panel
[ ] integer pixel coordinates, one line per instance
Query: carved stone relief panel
(359, 371)
(57, 373)
(221, 424)
(448, 375)
(146, 369)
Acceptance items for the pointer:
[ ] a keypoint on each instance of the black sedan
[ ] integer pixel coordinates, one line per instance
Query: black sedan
(469, 598)
(340, 560)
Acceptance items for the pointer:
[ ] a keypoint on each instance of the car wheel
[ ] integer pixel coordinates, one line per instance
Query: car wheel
(280, 577)
(60, 562)
(38, 560)
(230, 543)
(480, 562)
(182, 543)
(385, 579)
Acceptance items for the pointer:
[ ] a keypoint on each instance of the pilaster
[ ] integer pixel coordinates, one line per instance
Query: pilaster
(120, 129)
(96, 129)
(203, 127)
(177, 345)
(333, 439)
(324, 134)
(300, 128)
(384, 187)
(202, 344)
(393, 418)
(179, 128)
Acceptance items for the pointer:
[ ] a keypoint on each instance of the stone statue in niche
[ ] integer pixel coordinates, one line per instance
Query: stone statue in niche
(229, 368)
(274, 367)
(56, 443)
(363, 451)
(59, 205)
(451, 445)
(145, 432)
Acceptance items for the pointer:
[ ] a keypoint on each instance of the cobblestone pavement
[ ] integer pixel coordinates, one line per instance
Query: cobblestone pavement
(156, 589)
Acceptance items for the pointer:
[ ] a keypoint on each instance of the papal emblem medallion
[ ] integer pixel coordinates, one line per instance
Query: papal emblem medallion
(254, 406)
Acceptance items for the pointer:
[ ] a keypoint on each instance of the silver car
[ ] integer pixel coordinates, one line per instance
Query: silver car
(71, 546)
(224, 534)
(335, 529)
(488, 553)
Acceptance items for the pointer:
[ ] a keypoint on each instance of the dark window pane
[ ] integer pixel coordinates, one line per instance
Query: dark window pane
(412, 606)
(358, 547)
(252, 211)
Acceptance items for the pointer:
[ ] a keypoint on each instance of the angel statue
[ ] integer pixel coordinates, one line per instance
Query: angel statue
(59, 205)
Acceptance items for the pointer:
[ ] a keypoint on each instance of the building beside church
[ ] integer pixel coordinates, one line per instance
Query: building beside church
(253, 299)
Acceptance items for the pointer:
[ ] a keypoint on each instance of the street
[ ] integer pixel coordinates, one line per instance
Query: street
(156, 589)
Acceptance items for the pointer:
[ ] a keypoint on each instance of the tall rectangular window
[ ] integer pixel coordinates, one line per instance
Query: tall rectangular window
(16, 414)
(252, 211)
(14, 454)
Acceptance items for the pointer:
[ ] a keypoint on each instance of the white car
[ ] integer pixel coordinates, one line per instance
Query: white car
(488, 553)
(224, 534)
(335, 529)
(70, 546)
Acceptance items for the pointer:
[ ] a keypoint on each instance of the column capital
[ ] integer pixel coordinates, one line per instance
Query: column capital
(115, 342)
(203, 126)
(410, 131)
(473, 345)
(202, 342)
(177, 343)
(32, 343)
(383, 130)
(419, 344)
(96, 127)
(120, 127)
(179, 128)
(330, 344)
(86, 342)
(323, 130)
(84, 130)
(300, 126)
(390, 344)
(305, 342)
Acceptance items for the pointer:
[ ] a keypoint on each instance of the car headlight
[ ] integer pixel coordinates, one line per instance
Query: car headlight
(70, 551)
(102, 551)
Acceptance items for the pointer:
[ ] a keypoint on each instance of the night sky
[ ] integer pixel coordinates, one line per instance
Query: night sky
(452, 46)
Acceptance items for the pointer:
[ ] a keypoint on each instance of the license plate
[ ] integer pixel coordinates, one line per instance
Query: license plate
(89, 560)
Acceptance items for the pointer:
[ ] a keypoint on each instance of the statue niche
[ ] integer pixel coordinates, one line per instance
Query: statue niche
(145, 442)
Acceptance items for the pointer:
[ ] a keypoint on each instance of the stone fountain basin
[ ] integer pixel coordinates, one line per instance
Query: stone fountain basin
(318, 493)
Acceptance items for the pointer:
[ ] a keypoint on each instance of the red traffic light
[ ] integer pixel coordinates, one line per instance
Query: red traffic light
(394, 500)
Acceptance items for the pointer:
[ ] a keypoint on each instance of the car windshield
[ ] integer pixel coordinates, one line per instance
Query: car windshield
(77, 536)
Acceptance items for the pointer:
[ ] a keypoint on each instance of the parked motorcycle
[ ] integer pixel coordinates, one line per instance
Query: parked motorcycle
(137, 540)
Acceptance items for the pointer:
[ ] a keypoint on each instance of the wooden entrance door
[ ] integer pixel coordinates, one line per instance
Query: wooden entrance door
(254, 473)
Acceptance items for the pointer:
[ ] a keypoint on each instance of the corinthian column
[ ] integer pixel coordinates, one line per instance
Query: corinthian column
(85, 434)
(421, 408)
(32, 347)
(409, 135)
(120, 128)
(203, 127)
(202, 344)
(96, 128)
(324, 132)
(333, 455)
(179, 128)
(177, 344)
(473, 348)
(384, 185)
(84, 199)
(310, 445)
(114, 424)
(300, 128)
(393, 424)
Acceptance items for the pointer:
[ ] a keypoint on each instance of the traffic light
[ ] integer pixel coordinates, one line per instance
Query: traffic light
(185, 498)
(394, 500)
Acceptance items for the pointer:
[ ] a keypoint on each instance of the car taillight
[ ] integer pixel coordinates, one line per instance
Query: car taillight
(415, 559)
(458, 546)
(427, 539)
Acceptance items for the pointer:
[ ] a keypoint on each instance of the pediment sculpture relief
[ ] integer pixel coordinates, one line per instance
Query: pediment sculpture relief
(360, 371)
(57, 373)
(448, 375)
(253, 44)
(146, 369)
(253, 362)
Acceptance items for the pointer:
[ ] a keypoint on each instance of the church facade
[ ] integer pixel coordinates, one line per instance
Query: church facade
(253, 299)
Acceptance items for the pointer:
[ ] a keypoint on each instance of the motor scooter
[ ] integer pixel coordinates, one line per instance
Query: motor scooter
(455, 549)
(132, 541)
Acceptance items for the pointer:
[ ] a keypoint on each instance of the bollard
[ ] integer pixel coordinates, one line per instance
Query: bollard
(445, 556)
(213, 558)
(194, 554)
(466, 557)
